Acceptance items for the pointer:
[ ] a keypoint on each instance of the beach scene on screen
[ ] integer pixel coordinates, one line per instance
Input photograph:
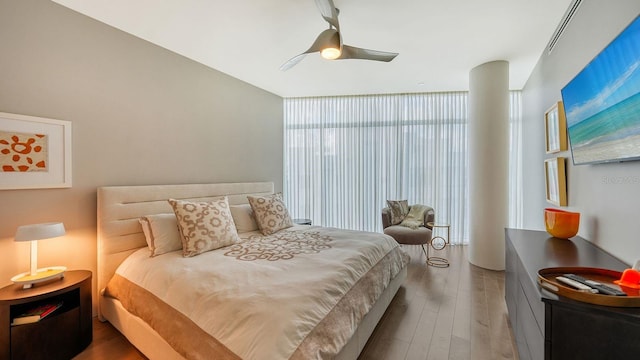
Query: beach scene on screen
(602, 103)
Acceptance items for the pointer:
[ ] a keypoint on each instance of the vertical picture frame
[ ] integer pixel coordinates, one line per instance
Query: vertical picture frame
(555, 181)
(555, 126)
(35, 152)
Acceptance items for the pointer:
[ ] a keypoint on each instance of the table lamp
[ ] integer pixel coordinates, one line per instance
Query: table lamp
(34, 233)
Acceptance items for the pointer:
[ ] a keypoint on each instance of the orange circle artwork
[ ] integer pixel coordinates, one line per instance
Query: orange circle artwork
(23, 152)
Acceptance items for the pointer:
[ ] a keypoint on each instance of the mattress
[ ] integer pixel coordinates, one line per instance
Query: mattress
(297, 294)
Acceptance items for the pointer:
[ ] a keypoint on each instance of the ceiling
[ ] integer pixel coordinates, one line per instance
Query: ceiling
(439, 41)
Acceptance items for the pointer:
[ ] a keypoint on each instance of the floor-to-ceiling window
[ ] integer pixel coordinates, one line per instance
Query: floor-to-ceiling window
(345, 156)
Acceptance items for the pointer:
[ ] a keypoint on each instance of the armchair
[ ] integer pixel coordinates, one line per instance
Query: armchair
(405, 235)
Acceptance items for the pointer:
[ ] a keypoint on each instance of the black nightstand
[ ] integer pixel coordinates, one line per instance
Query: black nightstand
(61, 335)
(302, 221)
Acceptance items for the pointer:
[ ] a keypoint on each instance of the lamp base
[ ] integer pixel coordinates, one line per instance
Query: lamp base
(45, 274)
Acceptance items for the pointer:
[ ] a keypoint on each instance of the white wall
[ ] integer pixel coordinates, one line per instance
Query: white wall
(606, 195)
(140, 115)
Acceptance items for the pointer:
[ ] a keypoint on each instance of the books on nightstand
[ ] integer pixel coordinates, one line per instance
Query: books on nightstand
(36, 314)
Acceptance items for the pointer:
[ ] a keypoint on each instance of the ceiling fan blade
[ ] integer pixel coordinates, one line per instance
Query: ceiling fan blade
(351, 52)
(329, 12)
(326, 38)
(293, 61)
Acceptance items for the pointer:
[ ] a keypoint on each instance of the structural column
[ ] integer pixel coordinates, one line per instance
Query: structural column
(488, 163)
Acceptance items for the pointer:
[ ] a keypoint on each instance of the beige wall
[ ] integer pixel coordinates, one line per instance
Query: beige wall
(606, 195)
(140, 114)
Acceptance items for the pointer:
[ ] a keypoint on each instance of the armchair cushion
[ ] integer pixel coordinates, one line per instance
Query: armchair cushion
(408, 236)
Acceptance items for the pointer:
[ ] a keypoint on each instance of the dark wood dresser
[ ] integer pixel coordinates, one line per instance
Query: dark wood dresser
(551, 327)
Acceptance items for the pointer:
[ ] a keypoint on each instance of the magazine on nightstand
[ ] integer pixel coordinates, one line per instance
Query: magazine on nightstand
(36, 314)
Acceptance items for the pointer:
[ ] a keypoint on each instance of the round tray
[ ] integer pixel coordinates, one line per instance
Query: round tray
(42, 275)
(547, 280)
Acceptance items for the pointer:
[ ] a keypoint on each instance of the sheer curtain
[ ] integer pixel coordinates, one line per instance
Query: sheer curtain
(515, 161)
(345, 156)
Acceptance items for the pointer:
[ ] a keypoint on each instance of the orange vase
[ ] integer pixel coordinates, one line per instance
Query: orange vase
(561, 224)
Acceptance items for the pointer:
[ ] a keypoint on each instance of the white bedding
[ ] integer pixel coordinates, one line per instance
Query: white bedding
(267, 296)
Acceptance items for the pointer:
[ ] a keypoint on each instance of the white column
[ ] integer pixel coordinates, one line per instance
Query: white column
(488, 163)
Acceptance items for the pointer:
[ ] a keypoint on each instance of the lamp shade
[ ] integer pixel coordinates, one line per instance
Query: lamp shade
(39, 231)
(33, 233)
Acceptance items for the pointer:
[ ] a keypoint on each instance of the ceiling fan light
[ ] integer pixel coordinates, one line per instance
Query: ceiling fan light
(330, 53)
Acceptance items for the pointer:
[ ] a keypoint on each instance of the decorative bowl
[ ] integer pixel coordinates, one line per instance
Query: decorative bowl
(560, 223)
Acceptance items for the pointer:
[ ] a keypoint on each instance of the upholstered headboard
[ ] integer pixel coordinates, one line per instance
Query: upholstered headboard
(120, 207)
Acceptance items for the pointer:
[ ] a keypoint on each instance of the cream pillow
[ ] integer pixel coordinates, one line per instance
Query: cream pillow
(204, 226)
(399, 209)
(161, 232)
(270, 213)
(243, 218)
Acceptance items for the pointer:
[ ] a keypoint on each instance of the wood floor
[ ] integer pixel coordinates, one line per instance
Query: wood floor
(440, 313)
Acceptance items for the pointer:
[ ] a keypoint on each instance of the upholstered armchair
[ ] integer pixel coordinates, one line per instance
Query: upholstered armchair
(406, 235)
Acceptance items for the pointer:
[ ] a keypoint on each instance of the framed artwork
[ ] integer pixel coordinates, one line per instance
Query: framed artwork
(556, 181)
(555, 128)
(35, 152)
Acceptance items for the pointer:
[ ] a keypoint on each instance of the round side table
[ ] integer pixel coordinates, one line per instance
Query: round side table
(302, 221)
(438, 242)
(62, 334)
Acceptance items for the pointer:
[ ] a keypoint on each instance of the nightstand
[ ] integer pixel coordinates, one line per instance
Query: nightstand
(61, 335)
(302, 221)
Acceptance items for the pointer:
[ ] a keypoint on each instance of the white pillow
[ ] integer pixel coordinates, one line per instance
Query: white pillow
(161, 232)
(243, 218)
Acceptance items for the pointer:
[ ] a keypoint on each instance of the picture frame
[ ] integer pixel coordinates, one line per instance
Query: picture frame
(555, 127)
(35, 152)
(555, 181)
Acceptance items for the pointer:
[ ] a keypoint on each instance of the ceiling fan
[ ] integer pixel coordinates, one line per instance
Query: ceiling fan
(329, 42)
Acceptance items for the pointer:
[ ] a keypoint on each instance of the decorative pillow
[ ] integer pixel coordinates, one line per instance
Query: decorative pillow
(204, 226)
(243, 218)
(270, 213)
(161, 232)
(415, 218)
(399, 210)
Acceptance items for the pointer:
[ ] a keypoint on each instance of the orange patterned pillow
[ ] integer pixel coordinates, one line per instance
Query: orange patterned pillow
(270, 213)
(204, 226)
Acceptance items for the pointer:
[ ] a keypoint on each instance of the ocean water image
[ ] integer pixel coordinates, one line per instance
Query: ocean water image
(602, 103)
(610, 134)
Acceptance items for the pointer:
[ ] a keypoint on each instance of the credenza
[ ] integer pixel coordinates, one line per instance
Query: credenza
(547, 326)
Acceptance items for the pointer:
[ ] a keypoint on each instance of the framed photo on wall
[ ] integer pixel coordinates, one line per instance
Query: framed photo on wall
(555, 127)
(35, 152)
(556, 181)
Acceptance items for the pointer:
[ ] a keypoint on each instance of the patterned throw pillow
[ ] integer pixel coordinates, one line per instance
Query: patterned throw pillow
(270, 213)
(204, 226)
(399, 210)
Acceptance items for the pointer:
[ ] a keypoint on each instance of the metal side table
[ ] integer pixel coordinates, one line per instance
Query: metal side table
(438, 242)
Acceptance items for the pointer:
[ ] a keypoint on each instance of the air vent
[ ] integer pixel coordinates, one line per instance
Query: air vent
(563, 24)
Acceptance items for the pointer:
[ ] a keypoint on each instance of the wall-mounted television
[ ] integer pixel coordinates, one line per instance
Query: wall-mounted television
(602, 103)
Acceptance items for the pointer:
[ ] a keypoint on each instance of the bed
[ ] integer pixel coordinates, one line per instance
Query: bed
(341, 315)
